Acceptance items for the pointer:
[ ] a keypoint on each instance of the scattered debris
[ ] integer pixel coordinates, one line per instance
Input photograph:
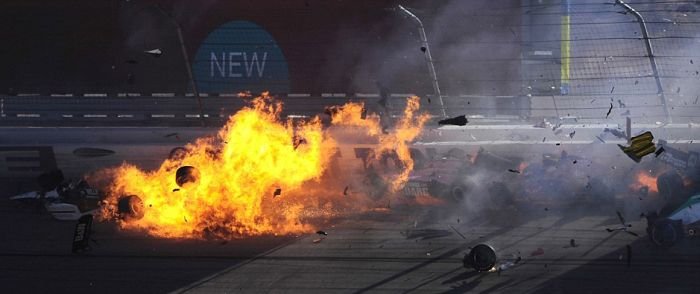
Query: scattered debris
(298, 141)
(315, 241)
(322, 233)
(514, 171)
(612, 90)
(609, 111)
(546, 209)
(558, 144)
(537, 252)
(154, 52)
(171, 135)
(640, 146)
(575, 161)
(458, 233)
(423, 49)
(629, 255)
(176, 189)
(457, 121)
(278, 192)
(184, 218)
(345, 192)
(659, 151)
(572, 243)
(544, 139)
(572, 134)
(621, 104)
(624, 226)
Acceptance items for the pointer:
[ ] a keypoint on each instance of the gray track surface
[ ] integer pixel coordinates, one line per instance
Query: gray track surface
(367, 253)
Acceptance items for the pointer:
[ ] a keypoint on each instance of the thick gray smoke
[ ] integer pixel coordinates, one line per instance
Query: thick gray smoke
(474, 52)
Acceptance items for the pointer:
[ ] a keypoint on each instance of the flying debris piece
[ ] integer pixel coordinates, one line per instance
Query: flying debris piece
(171, 135)
(514, 171)
(691, 61)
(659, 151)
(572, 134)
(131, 61)
(546, 209)
(458, 233)
(640, 146)
(558, 144)
(572, 243)
(92, 152)
(81, 235)
(363, 114)
(625, 226)
(423, 49)
(609, 111)
(629, 255)
(176, 189)
(298, 141)
(345, 191)
(544, 139)
(621, 104)
(575, 161)
(316, 241)
(130, 79)
(322, 233)
(537, 252)
(457, 121)
(278, 192)
(154, 52)
(612, 90)
(616, 133)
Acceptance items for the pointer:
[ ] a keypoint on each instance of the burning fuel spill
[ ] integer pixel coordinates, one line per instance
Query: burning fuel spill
(258, 175)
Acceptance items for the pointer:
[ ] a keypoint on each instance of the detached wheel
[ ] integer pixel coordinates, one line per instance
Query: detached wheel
(458, 193)
(131, 208)
(665, 233)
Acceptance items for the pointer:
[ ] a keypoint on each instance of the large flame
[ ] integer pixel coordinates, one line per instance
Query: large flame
(394, 142)
(644, 179)
(242, 169)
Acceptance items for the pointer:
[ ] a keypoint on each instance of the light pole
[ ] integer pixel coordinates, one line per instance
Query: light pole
(428, 57)
(187, 60)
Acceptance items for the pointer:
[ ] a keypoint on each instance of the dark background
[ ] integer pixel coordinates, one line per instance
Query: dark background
(82, 46)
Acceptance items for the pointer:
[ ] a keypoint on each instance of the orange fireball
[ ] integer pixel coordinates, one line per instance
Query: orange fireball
(249, 177)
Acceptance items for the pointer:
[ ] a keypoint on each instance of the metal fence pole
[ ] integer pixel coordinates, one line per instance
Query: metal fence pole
(428, 57)
(652, 58)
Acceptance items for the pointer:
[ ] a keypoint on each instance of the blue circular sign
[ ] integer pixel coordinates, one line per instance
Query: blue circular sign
(240, 56)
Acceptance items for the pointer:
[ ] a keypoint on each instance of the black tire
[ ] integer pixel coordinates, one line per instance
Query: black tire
(665, 233)
(458, 193)
(185, 175)
(131, 207)
(671, 190)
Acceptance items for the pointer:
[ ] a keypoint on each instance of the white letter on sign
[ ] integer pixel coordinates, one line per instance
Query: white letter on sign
(254, 61)
(231, 64)
(221, 66)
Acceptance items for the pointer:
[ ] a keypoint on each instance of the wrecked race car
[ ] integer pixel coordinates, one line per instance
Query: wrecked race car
(64, 200)
(447, 176)
(667, 229)
(70, 200)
